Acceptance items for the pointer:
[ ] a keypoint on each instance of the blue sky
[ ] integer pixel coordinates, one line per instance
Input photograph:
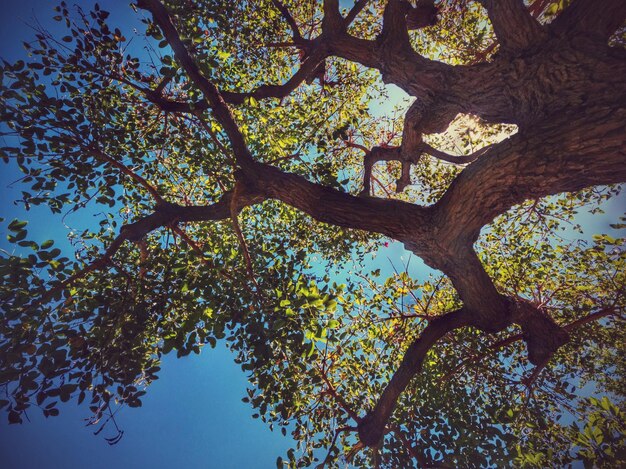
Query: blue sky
(192, 415)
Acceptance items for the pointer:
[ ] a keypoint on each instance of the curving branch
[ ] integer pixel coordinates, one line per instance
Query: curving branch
(372, 426)
(306, 70)
(407, 159)
(166, 214)
(454, 159)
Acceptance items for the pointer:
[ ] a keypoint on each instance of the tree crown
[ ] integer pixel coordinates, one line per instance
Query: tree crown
(242, 173)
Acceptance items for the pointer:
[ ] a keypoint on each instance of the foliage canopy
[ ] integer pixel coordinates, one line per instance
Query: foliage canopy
(243, 173)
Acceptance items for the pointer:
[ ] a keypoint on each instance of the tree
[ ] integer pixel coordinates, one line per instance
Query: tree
(241, 146)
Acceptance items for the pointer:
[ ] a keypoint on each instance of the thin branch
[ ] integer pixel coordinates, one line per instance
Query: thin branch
(332, 445)
(97, 153)
(529, 380)
(419, 457)
(185, 237)
(242, 241)
(340, 400)
(97, 264)
(213, 136)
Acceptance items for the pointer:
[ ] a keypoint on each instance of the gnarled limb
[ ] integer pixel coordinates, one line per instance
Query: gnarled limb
(542, 335)
(555, 155)
(408, 159)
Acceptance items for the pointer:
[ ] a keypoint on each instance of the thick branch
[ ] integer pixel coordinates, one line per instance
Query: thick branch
(395, 34)
(592, 17)
(424, 14)
(332, 23)
(355, 49)
(396, 219)
(567, 154)
(392, 54)
(515, 28)
(490, 311)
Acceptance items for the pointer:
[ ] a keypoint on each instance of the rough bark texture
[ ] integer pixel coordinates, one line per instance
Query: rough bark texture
(561, 84)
